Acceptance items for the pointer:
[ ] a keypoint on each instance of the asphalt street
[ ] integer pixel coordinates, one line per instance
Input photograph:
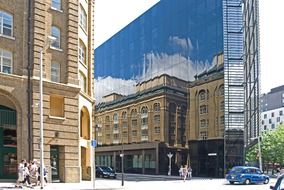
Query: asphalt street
(144, 182)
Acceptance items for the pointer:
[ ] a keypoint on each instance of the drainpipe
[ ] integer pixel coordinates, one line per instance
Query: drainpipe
(30, 69)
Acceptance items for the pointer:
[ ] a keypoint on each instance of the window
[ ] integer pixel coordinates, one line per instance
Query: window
(157, 119)
(202, 95)
(82, 52)
(124, 134)
(107, 118)
(280, 112)
(144, 112)
(157, 107)
(55, 32)
(55, 72)
(270, 121)
(157, 130)
(264, 127)
(272, 114)
(124, 125)
(82, 82)
(265, 116)
(115, 118)
(57, 106)
(222, 106)
(5, 61)
(203, 135)
(56, 4)
(203, 109)
(134, 118)
(134, 133)
(124, 116)
(262, 122)
(272, 126)
(134, 123)
(83, 18)
(221, 90)
(203, 123)
(6, 24)
(222, 120)
(278, 119)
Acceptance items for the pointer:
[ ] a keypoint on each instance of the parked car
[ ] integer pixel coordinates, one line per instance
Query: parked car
(279, 185)
(105, 171)
(246, 175)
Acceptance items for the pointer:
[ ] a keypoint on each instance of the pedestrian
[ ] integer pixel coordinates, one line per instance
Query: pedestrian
(189, 172)
(44, 175)
(181, 172)
(185, 171)
(21, 177)
(27, 174)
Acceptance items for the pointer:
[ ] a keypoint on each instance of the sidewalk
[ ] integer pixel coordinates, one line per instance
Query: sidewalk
(85, 185)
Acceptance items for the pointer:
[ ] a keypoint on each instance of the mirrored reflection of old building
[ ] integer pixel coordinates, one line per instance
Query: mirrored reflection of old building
(207, 121)
(185, 40)
(145, 126)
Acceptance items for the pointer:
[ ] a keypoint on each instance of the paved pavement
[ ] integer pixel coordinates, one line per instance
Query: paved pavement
(153, 183)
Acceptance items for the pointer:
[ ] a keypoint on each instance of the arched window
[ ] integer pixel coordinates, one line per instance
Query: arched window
(124, 116)
(202, 95)
(82, 52)
(221, 90)
(156, 107)
(55, 32)
(115, 118)
(83, 18)
(6, 23)
(144, 112)
(5, 61)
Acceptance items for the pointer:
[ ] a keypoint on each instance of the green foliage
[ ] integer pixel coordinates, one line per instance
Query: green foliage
(272, 147)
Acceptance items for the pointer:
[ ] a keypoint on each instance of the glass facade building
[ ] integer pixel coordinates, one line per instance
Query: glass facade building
(251, 70)
(181, 39)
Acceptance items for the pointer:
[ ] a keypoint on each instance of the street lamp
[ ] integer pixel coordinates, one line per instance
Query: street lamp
(50, 39)
(259, 151)
(170, 155)
(122, 167)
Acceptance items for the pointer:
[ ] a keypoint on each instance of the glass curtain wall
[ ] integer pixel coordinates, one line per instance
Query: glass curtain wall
(233, 83)
(251, 65)
(180, 39)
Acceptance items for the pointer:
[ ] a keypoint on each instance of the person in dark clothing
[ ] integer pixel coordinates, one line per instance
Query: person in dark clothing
(44, 175)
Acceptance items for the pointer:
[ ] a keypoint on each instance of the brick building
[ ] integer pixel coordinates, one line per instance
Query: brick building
(67, 85)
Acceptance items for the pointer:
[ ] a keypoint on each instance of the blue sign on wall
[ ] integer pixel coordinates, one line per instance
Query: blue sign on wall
(94, 143)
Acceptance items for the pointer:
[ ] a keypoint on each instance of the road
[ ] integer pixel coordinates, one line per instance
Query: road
(146, 182)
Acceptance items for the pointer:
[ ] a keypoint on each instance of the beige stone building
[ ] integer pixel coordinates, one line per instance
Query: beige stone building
(25, 27)
(144, 126)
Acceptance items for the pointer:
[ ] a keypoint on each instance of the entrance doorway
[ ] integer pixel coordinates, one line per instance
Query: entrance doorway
(8, 143)
(54, 162)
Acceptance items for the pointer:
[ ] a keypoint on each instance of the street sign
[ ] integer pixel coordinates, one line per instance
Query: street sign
(94, 143)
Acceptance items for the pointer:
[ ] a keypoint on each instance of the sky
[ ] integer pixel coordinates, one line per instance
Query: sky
(271, 43)
(110, 19)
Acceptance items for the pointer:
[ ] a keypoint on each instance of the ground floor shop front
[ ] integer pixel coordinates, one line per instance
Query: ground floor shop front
(144, 158)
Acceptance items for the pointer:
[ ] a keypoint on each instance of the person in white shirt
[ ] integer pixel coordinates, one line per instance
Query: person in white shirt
(21, 177)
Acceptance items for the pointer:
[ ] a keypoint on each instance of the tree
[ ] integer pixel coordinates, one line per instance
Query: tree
(272, 148)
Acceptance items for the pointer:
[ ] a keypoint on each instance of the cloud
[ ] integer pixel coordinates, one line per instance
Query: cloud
(181, 45)
(174, 65)
(154, 64)
(108, 85)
